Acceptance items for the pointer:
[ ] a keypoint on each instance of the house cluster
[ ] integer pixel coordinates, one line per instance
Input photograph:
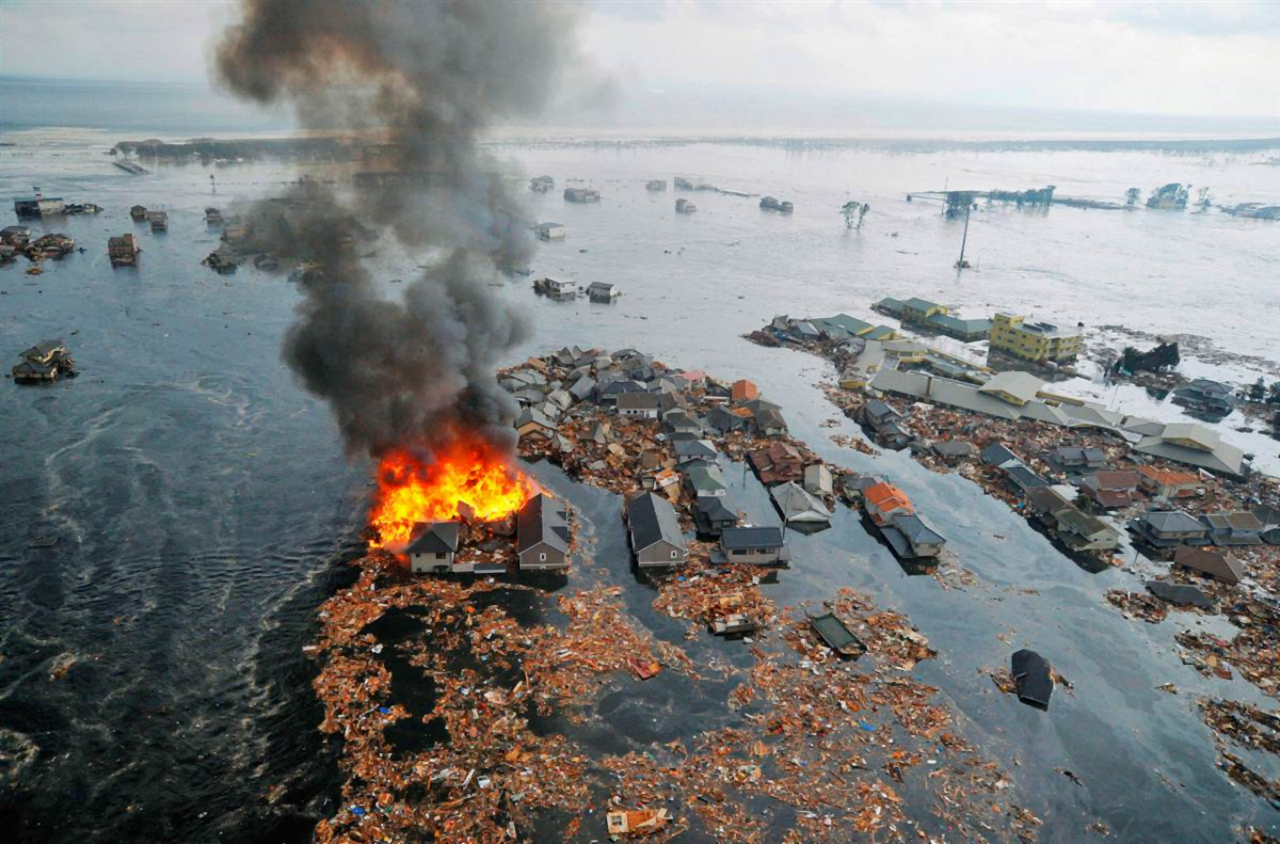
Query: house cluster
(581, 195)
(43, 363)
(656, 430)
(929, 316)
(543, 543)
(908, 533)
(600, 292)
(1053, 505)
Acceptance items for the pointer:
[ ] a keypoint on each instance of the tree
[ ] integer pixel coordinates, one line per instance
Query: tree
(1274, 398)
(1258, 391)
(854, 209)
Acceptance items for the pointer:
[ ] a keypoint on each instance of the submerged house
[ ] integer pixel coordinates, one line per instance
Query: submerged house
(1071, 458)
(1082, 532)
(761, 546)
(656, 538)
(122, 251)
(1211, 398)
(542, 534)
(912, 537)
(798, 506)
(434, 548)
(600, 291)
(549, 231)
(1219, 565)
(581, 195)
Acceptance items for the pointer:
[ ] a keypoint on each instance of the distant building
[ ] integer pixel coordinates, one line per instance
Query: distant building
(38, 205)
(542, 534)
(581, 195)
(641, 405)
(656, 538)
(1205, 396)
(159, 220)
(684, 206)
(542, 184)
(138, 213)
(556, 289)
(123, 251)
(549, 231)
(603, 292)
(1039, 342)
(656, 185)
(16, 236)
(434, 548)
(1014, 387)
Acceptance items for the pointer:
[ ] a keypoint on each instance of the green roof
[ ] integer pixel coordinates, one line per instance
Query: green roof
(888, 304)
(879, 332)
(967, 326)
(840, 326)
(920, 304)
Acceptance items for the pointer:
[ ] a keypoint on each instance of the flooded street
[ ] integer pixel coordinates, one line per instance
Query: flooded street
(202, 505)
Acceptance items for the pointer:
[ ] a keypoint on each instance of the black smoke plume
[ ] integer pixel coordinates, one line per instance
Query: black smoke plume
(419, 81)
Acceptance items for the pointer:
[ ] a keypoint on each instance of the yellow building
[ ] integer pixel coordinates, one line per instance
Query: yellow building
(1037, 341)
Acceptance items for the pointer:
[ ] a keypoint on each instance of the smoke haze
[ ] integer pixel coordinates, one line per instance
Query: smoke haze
(428, 78)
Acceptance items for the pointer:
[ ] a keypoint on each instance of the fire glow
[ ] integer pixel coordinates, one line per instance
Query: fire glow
(468, 479)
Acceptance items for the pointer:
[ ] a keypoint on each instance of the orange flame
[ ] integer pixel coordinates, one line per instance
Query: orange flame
(468, 474)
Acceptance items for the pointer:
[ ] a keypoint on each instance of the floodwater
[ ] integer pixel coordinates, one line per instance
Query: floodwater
(203, 506)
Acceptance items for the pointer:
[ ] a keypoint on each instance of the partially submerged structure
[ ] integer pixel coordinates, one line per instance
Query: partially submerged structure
(1033, 677)
(123, 250)
(656, 538)
(581, 195)
(542, 534)
(751, 546)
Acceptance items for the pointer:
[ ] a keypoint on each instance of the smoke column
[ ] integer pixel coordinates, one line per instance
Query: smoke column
(424, 78)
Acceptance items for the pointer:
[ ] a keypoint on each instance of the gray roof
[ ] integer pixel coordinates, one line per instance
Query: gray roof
(637, 401)
(954, 448)
(997, 454)
(1224, 459)
(1022, 385)
(652, 519)
(1236, 520)
(917, 530)
(1024, 477)
(532, 414)
(798, 504)
(1081, 522)
(751, 537)
(695, 448)
(542, 519)
(1172, 521)
(582, 388)
(438, 538)
(717, 507)
(705, 477)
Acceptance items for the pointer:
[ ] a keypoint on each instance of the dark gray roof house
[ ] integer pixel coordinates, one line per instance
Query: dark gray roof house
(694, 449)
(714, 513)
(1023, 478)
(912, 537)
(750, 545)
(434, 547)
(1169, 528)
(724, 421)
(1074, 458)
(997, 454)
(542, 534)
(638, 404)
(655, 532)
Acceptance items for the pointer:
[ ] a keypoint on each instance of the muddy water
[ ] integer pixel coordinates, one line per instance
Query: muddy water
(202, 506)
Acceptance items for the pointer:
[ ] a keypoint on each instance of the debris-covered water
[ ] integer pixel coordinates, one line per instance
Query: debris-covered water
(201, 503)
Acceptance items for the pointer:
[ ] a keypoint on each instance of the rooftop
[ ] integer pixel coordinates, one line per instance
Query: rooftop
(751, 537)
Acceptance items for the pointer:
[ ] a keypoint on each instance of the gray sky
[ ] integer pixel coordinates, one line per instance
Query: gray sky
(1204, 59)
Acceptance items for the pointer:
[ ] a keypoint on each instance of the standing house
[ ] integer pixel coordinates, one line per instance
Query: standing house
(998, 455)
(751, 546)
(1235, 528)
(799, 507)
(638, 405)
(702, 480)
(656, 538)
(123, 251)
(542, 534)
(603, 292)
(1023, 479)
(1082, 532)
(1166, 483)
(712, 514)
(1204, 396)
(1071, 458)
(884, 502)
(912, 537)
(1110, 490)
(434, 548)
(817, 479)
(581, 195)
(549, 231)
(1169, 528)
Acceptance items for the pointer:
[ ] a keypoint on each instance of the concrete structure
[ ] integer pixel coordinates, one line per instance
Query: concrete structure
(655, 533)
(1040, 342)
(434, 548)
(542, 534)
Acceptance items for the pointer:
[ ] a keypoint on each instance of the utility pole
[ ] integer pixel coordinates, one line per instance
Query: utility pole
(960, 264)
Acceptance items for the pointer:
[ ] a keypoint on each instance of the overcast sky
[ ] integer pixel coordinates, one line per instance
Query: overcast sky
(1210, 59)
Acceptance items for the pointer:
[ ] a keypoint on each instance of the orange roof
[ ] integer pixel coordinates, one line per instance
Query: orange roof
(886, 497)
(1168, 477)
(744, 390)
